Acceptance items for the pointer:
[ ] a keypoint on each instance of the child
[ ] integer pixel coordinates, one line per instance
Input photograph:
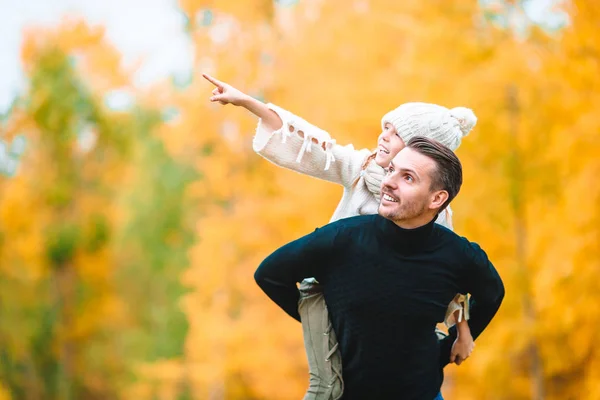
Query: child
(291, 142)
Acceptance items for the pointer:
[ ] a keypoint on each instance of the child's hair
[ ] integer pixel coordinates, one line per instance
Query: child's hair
(364, 166)
(368, 160)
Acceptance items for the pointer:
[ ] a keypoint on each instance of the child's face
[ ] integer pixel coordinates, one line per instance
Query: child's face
(389, 143)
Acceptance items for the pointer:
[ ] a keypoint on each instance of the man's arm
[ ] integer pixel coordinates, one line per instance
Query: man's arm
(487, 292)
(306, 257)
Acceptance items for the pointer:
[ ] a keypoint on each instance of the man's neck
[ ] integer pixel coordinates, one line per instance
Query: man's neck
(415, 223)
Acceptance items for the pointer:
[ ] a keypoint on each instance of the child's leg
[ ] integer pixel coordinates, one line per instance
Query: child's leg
(440, 333)
(324, 359)
(457, 311)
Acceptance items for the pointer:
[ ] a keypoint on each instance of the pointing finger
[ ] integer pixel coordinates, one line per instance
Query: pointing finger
(212, 80)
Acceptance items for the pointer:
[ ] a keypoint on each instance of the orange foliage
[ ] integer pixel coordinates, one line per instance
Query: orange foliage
(529, 197)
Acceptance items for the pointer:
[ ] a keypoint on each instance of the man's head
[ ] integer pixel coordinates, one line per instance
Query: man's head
(421, 181)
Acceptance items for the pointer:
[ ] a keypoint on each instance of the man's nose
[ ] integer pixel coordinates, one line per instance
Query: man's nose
(388, 183)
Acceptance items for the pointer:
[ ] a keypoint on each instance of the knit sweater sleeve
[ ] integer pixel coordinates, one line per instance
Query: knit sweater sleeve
(304, 148)
(308, 256)
(484, 284)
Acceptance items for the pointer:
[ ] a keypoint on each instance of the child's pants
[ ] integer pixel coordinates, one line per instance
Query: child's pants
(324, 359)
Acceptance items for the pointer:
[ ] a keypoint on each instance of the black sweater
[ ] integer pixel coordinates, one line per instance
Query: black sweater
(386, 288)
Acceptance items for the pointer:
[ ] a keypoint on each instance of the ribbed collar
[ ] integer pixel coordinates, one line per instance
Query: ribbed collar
(404, 240)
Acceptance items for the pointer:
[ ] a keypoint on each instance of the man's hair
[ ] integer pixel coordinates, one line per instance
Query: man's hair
(448, 170)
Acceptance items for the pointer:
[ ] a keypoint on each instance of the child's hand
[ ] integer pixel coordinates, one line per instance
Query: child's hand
(461, 349)
(225, 93)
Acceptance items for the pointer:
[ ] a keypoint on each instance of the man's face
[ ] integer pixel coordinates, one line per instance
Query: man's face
(406, 193)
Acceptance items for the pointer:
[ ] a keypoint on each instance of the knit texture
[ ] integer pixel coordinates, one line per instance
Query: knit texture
(433, 121)
(386, 288)
(325, 160)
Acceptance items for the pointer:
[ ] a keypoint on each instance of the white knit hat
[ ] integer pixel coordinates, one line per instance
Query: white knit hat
(432, 121)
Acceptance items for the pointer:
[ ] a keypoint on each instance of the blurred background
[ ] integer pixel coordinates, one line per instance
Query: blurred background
(133, 212)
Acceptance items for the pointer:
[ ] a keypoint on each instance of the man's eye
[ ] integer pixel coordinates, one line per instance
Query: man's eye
(409, 178)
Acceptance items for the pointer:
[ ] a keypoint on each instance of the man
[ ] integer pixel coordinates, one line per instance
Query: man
(388, 278)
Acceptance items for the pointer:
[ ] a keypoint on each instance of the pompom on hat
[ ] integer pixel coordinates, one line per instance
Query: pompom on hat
(432, 121)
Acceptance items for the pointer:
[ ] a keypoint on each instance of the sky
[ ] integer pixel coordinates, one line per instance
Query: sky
(155, 34)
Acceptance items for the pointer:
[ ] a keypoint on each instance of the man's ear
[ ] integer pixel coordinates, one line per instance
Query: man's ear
(438, 198)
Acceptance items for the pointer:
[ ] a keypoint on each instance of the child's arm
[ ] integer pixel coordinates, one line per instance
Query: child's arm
(291, 142)
(227, 94)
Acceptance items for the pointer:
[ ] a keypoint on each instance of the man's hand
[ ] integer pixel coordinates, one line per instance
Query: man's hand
(225, 93)
(461, 349)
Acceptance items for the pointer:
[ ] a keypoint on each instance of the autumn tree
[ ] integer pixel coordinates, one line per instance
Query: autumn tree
(89, 266)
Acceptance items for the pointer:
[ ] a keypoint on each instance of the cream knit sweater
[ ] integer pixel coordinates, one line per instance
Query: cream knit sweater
(318, 155)
(304, 148)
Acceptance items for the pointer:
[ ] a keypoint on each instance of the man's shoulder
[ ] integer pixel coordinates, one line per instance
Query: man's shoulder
(464, 247)
(356, 222)
(348, 225)
(444, 233)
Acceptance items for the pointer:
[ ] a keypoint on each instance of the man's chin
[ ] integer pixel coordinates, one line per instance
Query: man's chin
(385, 212)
